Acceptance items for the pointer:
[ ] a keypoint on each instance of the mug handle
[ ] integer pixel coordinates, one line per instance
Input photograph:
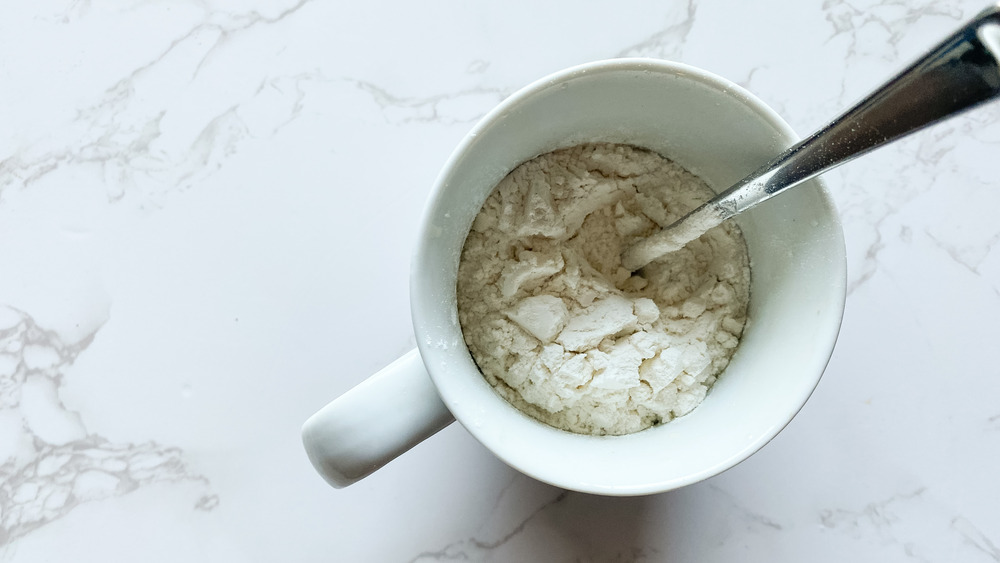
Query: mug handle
(375, 422)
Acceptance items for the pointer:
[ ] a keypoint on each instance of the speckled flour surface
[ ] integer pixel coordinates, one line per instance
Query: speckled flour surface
(566, 334)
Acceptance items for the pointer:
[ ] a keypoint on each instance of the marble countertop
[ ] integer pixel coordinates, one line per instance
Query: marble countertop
(206, 216)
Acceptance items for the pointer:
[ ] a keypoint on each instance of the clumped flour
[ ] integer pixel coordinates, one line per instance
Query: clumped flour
(561, 329)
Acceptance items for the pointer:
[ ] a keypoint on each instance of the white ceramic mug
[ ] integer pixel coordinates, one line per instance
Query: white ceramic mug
(798, 286)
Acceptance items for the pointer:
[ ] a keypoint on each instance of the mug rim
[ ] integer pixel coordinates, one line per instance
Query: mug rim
(431, 354)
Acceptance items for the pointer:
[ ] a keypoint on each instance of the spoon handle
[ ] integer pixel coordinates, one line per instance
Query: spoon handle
(961, 73)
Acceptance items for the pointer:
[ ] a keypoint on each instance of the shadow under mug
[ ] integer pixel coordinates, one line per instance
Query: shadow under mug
(713, 128)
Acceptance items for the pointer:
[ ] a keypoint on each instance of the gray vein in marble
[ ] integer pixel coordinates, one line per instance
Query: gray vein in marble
(877, 515)
(441, 108)
(925, 157)
(112, 134)
(76, 9)
(124, 153)
(52, 470)
(477, 66)
(871, 258)
(975, 537)
(227, 127)
(474, 549)
(846, 19)
(297, 81)
(748, 81)
(668, 43)
(970, 257)
(901, 521)
(755, 520)
(514, 478)
(60, 478)
(241, 22)
(994, 422)
(875, 201)
(28, 350)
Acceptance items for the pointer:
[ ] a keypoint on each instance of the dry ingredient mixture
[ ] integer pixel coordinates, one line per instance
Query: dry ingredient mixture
(566, 334)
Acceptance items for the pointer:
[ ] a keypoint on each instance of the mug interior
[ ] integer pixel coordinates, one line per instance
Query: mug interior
(798, 272)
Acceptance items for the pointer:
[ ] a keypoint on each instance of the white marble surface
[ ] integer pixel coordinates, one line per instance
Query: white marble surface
(206, 211)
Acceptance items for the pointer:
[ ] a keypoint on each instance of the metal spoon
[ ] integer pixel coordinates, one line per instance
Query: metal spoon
(959, 74)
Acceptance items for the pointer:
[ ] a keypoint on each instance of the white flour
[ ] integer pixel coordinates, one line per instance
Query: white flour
(566, 334)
